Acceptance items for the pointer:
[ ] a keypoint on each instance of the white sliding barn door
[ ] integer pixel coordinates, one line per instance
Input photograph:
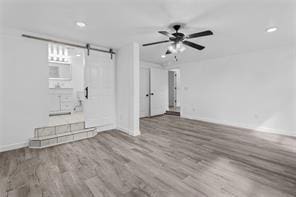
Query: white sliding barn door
(159, 91)
(100, 83)
(144, 92)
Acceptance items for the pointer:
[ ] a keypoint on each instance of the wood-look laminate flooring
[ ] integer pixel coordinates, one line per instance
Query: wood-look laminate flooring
(173, 157)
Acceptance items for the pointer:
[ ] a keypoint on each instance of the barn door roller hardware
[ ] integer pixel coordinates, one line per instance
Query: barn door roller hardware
(87, 46)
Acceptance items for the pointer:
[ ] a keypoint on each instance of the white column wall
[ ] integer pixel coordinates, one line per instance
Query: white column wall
(128, 89)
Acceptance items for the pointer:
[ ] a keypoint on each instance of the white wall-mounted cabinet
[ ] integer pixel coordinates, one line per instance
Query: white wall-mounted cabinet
(61, 100)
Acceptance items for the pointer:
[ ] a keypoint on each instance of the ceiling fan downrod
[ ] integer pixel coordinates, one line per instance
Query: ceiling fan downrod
(176, 28)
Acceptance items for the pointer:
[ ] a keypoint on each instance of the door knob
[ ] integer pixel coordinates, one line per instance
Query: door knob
(152, 93)
(147, 94)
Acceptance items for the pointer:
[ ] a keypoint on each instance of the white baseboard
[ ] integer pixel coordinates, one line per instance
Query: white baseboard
(125, 130)
(13, 146)
(244, 126)
(136, 133)
(128, 131)
(106, 127)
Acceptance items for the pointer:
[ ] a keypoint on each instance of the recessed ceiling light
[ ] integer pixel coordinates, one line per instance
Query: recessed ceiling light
(162, 56)
(78, 55)
(80, 24)
(271, 29)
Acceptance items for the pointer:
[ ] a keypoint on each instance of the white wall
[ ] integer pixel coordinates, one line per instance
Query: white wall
(1, 93)
(128, 89)
(145, 64)
(255, 90)
(24, 89)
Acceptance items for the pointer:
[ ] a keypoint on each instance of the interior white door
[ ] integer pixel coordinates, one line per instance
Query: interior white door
(99, 107)
(144, 92)
(158, 91)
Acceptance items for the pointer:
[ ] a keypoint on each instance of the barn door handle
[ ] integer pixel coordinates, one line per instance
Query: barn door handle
(86, 92)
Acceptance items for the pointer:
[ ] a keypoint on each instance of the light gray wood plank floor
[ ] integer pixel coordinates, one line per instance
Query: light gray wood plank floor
(173, 157)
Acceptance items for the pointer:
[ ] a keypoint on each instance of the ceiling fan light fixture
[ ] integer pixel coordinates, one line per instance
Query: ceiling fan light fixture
(271, 29)
(177, 47)
(172, 48)
(80, 24)
(180, 47)
(183, 48)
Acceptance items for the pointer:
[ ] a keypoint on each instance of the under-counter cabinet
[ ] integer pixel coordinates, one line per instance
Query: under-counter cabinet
(61, 100)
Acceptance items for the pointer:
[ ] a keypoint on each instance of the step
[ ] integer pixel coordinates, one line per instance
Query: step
(56, 139)
(58, 129)
(174, 113)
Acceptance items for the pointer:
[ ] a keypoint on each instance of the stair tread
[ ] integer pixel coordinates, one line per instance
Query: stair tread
(63, 134)
(53, 126)
(172, 112)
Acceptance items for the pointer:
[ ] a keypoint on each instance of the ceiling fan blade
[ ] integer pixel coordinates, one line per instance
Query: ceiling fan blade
(168, 52)
(152, 43)
(165, 33)
(200, 34)
(191, 44)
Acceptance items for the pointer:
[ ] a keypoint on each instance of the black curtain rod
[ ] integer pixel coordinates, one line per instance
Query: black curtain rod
(87, 46)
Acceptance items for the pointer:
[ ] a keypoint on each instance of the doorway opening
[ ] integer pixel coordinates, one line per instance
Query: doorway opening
(66, 67)
(174, 84)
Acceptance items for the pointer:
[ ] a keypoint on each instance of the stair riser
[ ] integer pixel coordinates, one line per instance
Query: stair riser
(173, 113)
(61, 139)
(59, 129)
(77, 126)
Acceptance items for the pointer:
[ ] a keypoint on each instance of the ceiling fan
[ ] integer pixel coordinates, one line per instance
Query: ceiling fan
(179, 39)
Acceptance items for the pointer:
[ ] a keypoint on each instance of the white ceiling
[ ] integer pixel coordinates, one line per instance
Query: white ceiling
(238, 25)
